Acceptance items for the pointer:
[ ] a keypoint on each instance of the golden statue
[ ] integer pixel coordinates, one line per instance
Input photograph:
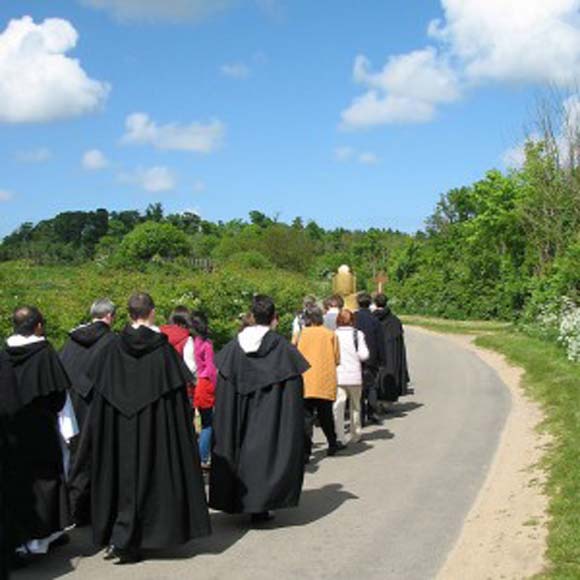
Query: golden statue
(344, 284)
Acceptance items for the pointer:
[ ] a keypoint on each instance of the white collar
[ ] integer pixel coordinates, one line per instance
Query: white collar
(152, 327)
(19, 340)
(250, 339)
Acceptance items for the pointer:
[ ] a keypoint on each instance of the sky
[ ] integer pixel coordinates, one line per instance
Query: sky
(355, 114)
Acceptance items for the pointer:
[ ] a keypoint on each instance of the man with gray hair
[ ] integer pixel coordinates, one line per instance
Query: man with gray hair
(84, 343)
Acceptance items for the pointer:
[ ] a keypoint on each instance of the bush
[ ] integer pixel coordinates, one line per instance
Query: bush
(152, 240)
(65, 293)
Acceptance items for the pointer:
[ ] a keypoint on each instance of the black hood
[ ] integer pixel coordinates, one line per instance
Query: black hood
(20, 354)
(269, 343)
(383, 313)
(138, 342)
(276, 361)
(90, 334)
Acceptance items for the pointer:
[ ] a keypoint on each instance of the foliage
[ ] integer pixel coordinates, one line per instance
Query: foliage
(64, 293)
(152, 240)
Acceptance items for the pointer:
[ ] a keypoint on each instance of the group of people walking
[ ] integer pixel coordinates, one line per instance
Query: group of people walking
(102, 433)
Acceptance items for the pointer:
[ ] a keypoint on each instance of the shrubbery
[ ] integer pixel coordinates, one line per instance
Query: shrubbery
(64, 293)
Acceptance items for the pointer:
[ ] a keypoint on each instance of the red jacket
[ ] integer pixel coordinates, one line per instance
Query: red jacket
(177, 335)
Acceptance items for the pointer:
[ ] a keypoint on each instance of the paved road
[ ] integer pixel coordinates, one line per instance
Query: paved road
(392, 507)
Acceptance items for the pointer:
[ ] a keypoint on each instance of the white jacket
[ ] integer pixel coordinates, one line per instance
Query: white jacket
(350, 369)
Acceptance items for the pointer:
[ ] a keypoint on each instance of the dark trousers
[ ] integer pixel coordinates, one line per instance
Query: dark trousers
(369, 393)
(322, 409)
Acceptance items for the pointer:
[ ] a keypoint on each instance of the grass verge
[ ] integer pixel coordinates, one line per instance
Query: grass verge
(554, 382)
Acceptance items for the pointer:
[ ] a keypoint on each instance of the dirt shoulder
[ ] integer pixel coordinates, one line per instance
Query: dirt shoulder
(505, 533)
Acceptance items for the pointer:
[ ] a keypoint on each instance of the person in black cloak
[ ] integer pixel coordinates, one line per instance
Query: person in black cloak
(84, 343)
(393, 377)
(258, 453)
(7, 398)
(35, 487)
(147, 488)
(369, 324)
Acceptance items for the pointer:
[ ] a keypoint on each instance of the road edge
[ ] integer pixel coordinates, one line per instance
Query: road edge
(505, 532)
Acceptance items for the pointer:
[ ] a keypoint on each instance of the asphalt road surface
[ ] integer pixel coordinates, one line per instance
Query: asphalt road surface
(390, 507)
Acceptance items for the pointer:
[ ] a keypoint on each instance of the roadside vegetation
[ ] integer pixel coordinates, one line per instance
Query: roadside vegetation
(554, 381)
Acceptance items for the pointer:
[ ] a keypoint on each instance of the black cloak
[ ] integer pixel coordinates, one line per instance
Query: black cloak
(258, 452)
(393, 377)
(84, 344)
(36, 488)
(7, 385)
(147, 488)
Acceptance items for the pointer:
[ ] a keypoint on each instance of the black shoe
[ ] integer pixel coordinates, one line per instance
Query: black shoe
(373, 420)
(129, 556)
(334, 449)
(262, 517)
(110, 553)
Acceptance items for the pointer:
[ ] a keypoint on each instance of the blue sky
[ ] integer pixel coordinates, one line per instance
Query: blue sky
(356, 114)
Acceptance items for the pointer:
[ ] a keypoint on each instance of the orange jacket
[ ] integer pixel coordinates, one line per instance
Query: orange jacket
(321, 349)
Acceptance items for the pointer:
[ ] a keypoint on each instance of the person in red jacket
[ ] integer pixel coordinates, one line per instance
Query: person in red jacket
(179, 334)
(204, 397)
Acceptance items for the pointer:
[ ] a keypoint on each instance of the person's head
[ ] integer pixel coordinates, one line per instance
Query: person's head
(141, 308)
(364, 300)
(199, 325)
(313, 316)
(308, 301)
(381, 300)
(180, 316)
(263, 310)
(336, 301)
(326, 304)
(103, 310)
(345, 318)
(28, 321)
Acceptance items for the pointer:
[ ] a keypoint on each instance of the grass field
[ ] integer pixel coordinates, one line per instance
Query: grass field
(555, 383)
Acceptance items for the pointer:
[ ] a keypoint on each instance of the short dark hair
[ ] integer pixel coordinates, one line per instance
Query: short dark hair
(140, 306)
(263, 309)
(381, 300)
(180, 317)
(336, 301)
(364, 299)
(25, 320)
(199, 325)
(313, 316)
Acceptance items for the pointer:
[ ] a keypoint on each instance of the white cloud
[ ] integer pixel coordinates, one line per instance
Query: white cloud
(5, 195)
(198, 137)
(344, 153)
(152, 10)
(94, 160)
(38, 82)
(407, 90)
(368, 158)
(476, 42)
(236, 70)
(535, 41)
(40, 155)
(515, 157)
(152, 179)
(348, 154)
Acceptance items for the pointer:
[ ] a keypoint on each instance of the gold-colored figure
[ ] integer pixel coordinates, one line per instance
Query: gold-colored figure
(344, 284)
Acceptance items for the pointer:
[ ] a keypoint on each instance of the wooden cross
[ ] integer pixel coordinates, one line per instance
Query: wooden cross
(381, 279)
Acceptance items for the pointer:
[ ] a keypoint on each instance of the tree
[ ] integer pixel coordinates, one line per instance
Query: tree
(152, 239)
